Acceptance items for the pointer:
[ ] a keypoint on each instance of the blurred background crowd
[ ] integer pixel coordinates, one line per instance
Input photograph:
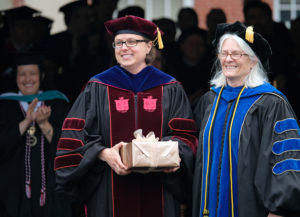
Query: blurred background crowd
(84, 49)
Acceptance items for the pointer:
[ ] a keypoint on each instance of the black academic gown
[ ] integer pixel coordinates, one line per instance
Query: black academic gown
(268, 163)
(12, 164)
(107, 112)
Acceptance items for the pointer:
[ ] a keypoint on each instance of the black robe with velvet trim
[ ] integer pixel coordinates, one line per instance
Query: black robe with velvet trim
(13, 202)
(268, 162)
(102, 116)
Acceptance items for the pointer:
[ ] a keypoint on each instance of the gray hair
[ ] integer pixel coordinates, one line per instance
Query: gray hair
(257, 75)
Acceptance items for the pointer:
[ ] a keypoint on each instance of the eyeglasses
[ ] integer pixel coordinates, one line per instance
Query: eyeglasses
(129, 43)
(234, 56)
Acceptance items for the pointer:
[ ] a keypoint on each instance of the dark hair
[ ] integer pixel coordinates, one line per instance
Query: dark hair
(189, 11)
(168, 26)
(216, 12)
(151, 56)
(257, 4)
(132, 10)
(72, 8)
(192, 31)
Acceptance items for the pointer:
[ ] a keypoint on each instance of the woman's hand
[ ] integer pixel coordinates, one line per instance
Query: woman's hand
(23, 125)
(42, 114)
(112, 157)
(30, 111)
(172, 170)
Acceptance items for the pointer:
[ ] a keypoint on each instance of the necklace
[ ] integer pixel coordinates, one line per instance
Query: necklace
(32, 138)
(31, 141)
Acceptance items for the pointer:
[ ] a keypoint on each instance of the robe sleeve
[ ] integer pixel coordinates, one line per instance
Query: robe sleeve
(76, 161)
(59, 109)
(277, 177)
(202, 107)
(181, 128)
(10, 138)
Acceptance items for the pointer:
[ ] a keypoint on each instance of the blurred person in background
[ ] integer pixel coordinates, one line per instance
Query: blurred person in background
(170, 53)
(259, 15)
(213, 18)
(187, 18)
(132, 10)
(20, 33)
(192, 68)
(30, 125)
(72, 48)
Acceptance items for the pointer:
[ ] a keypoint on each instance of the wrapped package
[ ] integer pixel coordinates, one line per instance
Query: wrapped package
(147, 154)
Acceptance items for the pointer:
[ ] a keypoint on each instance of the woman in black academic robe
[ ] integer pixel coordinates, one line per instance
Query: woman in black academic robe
(30, 124)
(248, 157)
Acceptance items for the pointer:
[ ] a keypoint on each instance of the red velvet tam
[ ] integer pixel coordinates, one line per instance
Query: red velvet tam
(134, 25)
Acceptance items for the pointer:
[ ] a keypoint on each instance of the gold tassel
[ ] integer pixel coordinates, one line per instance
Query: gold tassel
(205, 213)
(159, 40)
(249, 34)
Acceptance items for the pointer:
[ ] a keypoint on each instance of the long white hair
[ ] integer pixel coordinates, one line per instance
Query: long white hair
(257, 75)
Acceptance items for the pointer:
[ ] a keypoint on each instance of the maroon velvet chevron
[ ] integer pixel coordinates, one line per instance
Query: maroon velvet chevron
(69, 160)
(76, 124)
(69, 144)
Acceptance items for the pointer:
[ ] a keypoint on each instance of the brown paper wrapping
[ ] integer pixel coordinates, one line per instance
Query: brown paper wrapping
(147, 154)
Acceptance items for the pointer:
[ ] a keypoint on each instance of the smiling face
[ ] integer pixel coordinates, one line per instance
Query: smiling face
(132, 58)
(28, 79)
(235, 70)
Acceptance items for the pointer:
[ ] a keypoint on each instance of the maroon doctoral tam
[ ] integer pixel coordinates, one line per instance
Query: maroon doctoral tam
(134, 25)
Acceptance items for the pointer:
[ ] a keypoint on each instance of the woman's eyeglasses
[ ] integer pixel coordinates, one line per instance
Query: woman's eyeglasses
(234, 56)
(128, 43)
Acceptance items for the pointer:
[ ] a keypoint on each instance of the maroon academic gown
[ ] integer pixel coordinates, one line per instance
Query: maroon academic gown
(111, 107)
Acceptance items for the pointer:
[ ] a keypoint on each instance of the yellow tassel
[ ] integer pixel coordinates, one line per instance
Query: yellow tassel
(159, 40)
(249, 34)
(205, 213)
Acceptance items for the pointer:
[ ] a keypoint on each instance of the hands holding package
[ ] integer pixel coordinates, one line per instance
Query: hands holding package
(141, 155)
(113, 158)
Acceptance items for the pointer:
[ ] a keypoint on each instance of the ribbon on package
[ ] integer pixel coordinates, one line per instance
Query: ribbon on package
(148, 154)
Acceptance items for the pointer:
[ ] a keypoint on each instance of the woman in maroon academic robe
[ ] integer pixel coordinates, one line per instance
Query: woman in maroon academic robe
(131, 95)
